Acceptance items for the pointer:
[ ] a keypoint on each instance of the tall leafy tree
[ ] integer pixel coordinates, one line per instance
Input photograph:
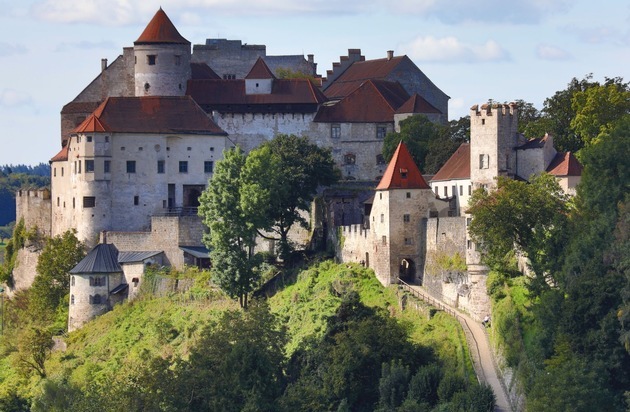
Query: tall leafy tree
(417, 132)
(231, 235)
(280, 180)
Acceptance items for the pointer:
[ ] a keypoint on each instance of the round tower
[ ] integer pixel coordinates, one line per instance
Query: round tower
(162, 59)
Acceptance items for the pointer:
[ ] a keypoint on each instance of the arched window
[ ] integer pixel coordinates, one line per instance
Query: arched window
(72, 299)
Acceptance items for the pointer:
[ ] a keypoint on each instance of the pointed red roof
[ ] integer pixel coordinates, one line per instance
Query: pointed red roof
(457, 166)
(417, 104)
(402, 172)
(260, 70)
(91, 125)
(161, 30)
(565, 164)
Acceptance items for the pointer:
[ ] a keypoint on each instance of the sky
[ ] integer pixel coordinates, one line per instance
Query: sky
(473, 50)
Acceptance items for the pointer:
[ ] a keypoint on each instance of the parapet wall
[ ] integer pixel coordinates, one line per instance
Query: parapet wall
(34, 207)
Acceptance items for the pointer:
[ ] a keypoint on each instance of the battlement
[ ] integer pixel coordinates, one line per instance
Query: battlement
(43, 193)
(354, 55)
(494, 109)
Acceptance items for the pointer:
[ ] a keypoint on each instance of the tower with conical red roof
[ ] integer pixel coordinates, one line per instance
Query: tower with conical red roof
(402, 202)
(162, 59)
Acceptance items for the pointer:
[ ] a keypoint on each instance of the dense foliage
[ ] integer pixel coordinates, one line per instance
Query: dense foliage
(565, 326)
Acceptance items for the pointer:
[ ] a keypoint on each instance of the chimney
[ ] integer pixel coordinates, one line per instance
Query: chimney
(103, 64)
(390, 54)
(311, 58)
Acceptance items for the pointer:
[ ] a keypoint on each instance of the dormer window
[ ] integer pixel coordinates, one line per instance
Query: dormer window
(151, 59)
(403, 173)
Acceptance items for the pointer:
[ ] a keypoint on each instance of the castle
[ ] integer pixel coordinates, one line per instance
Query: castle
(139, 144)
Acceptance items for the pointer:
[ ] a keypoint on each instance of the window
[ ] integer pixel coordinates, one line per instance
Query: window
(382, 218)
(408, 195)
(469, 190)
(484, 161)
(406, 218)
(461, 190)
(349, 159)
(208, 166)
(408, 241)
(454, 190)
(97, 281)
(106, 139)
(89, 166)
(58, 202)
(131, 166)
(189, 148)
(136, 200)
(380, 196)
(78, 139)
(183, 167)
(72, 299)
(380, 160)
(72, 281)
(79, 168)
(89, 201)
(107, 164)
(74, 203)
(445, 191)
(468, 220)
(95, 300)
(381, 131)
(89, 139)
(469, 244)
(160, 166)
(403, 173)
(483, 121)
(335, 131)
(178, 60)
(229, 76)
(151, 58)
(62, 171)
(384, 240)
(54, 172)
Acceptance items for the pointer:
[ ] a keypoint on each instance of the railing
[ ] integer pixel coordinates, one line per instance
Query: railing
(475, 355)
(178, 211)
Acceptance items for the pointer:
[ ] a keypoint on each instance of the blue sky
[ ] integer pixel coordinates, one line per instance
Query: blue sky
(473, 50)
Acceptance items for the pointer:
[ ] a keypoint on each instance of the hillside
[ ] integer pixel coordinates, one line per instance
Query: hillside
(147, 350)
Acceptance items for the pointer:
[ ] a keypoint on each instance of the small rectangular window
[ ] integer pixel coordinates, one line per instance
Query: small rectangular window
(484, 161)
(107, 164)
(381, 131)
(160, 166)
(408, 195)
(79, 167)
(406, 218)
(54, 172)
(445, 191)
(408, 241)
(89, 201)
(335, 131)
(89, 139)
(183, 167)
(151, 58)
(382, 218)
(136, 200)
(461, 190)
(384, 240)
(131, 166)
(469, 190)
(208, 166)
(89, 166)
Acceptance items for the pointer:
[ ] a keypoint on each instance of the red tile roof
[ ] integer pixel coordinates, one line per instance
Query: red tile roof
(361, 71)
(374, 101)
(565, 164)
(417, 104)
(80, 107)
(260, 70)
(161, 30)
(61, 156)
(202, 71)
(149, 115)
(232, 93)
(457, 166)
(402, 172)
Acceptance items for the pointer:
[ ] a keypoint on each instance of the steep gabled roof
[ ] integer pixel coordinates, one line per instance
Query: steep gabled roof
(103, 258)
(361, 71)
(565, 164)
(202, 71)
(374, 101)
(232, 92)
(402, 172)
(155, 114)
(260, 70)
(62, 155)
(417, 104)
(457, 166)
(161, 30)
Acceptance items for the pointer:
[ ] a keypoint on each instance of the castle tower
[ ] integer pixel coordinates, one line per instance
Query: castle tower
(401, 203)
(96, 284)
(260, 79)
(162, 59)
(493, 137)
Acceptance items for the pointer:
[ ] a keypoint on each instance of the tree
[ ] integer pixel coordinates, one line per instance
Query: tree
(528, 217)
(231, 231)
(34, 346)
(417, 132)
(280, 180)
(52, 283)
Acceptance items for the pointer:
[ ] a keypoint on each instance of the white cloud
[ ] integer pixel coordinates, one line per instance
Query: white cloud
(452, 50)
(494, 11)
(14, 98)
(7, 49)
(549, 52)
